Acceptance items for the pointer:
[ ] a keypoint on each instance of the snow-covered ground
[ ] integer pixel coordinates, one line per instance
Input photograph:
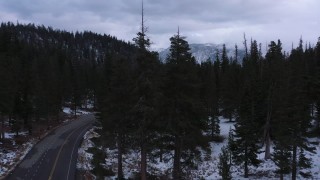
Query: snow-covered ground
(67, 110)
(12, 155)
(84, 158)
(9, 158)
(207, 168)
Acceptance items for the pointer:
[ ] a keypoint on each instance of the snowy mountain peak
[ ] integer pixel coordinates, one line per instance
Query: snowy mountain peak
(203, 52)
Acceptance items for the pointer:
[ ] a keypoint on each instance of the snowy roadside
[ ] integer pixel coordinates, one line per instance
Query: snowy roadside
(10, 158)
(84, 157)
(206, 169)
(12, 155)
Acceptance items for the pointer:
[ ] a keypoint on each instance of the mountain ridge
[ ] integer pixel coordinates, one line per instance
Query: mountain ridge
(205, 51)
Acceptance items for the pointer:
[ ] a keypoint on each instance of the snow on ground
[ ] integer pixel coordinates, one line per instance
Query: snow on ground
(67, 110)
(207, 169)
(10, 158)
(315, 170)
(131, 164)
(11, 135)
(84, 158)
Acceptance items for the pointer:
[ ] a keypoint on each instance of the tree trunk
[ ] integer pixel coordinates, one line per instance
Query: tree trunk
(267, 154)
(267, 128)
(120, 171)
(10, 120)
(294, 161)
(281, 176)
(75, 110)
(246, 170)
(317, 116)
(212, 127)
(143, 161)
(176, 160)
(2, 127)
(161, 154)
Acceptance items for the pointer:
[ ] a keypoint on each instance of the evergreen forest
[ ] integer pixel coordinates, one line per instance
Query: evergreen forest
(166, 107)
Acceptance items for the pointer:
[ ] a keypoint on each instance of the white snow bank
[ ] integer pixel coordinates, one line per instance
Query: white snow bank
(84, 158)
(10, 158)
(68, 110)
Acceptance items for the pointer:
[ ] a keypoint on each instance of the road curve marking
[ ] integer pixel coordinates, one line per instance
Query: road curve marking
(58, 155)
(74, 145)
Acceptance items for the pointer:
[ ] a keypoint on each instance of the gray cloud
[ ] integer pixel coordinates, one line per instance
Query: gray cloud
(202, 21)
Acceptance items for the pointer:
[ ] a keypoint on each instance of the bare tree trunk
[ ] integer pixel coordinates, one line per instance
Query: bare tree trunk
(212, 127)
(267, 154)
(143, 161)
(246, 170)
(161, 154)
(2, 128)
(75, 110)
(267, 139)
(294, 161)
(176, 160)
(267, 127)
(120, 152)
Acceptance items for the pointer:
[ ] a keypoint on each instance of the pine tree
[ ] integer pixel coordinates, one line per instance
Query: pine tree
(292, 113)
(209, 96)
(185, 120)
(316, 86)
(116, 103)
(246, 148)
(250, 110)
(273, 77)
(146, 92)
(230, 87)
(224, 164)
(282, 157)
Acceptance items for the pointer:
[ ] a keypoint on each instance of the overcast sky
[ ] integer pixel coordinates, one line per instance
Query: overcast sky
(202, 21)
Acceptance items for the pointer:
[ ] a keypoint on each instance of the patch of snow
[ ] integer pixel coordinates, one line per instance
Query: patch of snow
(79, 112)
(12, 135)
(10, 158)
(207, 168)
(84, 158)
(67, 110)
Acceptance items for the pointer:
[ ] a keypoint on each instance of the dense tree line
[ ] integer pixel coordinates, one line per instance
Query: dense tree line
(42, 70)
(171, 106)
(174, 105)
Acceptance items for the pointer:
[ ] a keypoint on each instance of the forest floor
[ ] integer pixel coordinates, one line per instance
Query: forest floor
(15, 147)
(207, 167)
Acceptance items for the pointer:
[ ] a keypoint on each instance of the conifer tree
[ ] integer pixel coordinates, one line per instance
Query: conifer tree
(273, 77)
(293, 115)
(146, 92)
(282, 158)
(224, 164)
(248, 125)
(209, 96)
(116, 105)
(185, 120)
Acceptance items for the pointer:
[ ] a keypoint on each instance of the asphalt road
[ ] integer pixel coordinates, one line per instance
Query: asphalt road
(54, 157)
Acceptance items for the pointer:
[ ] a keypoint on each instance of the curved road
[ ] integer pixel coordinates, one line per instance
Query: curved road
(55, 157)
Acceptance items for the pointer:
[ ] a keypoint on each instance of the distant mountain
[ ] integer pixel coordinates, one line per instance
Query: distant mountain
(202, 52)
